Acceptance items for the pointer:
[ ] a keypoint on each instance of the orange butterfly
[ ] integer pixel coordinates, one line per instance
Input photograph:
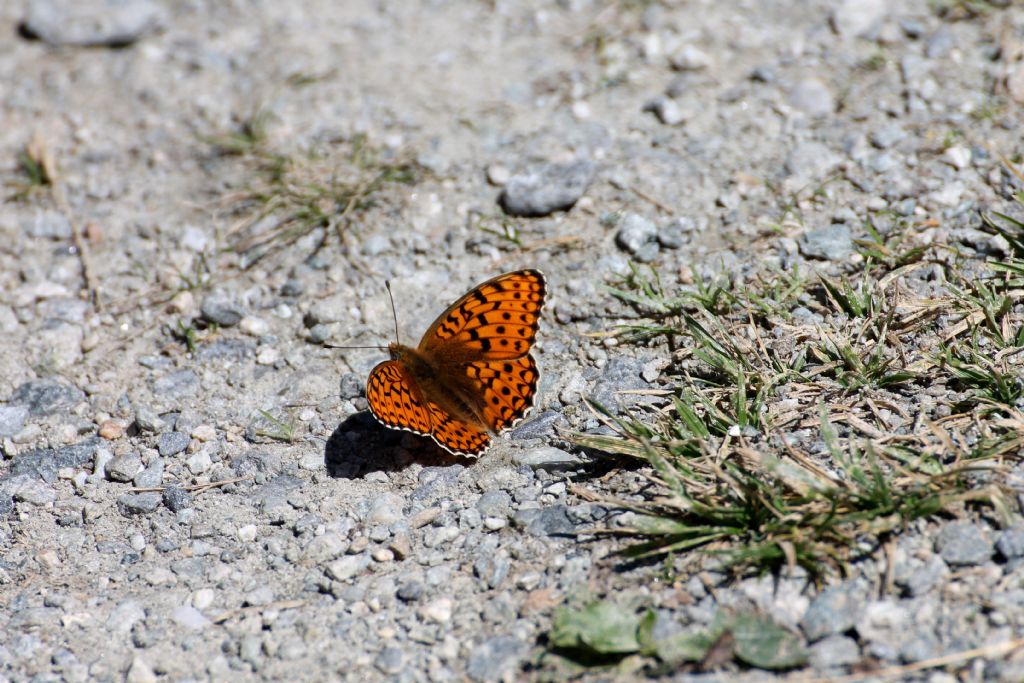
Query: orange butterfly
(472, 375)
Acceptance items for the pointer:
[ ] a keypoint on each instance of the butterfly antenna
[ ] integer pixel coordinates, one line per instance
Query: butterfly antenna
(387, 283)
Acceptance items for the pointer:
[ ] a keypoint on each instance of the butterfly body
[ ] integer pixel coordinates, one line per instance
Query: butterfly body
(472, 375)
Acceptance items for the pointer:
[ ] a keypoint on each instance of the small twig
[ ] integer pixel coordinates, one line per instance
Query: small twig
(43, 154)
(653, 200)
(990, 651)
(196, 488)
(255, 609)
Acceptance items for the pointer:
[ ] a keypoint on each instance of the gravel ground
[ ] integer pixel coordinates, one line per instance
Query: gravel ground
(186, 494)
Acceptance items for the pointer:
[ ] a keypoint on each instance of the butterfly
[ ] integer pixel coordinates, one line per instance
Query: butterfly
(471, 376)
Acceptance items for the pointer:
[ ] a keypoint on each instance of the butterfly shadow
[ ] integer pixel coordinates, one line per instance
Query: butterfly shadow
(361, 445)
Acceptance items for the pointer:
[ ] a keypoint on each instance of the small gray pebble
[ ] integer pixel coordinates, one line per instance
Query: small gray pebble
(834, 651)
(178, 384)
(218, 308)
(35, 492)
(546, 189)
(52, 225)
(496, 659)
(172, 443)
(546, 457)
(886, 137)
(12, 419)
(492, 569)
(635, 232)
(834, 610)
(113, 23)
(351, 385)
(148, 421)
(130, 504)
(495, 503)
(940, 44)
(176, 498)
(833, 243)
(124, 467)
(390, 661)
(539, 426)
(46, 396)
(293, 287)
(1011, 543)
(963, 543)
(410, 591)
(549, 521)
(150, 477)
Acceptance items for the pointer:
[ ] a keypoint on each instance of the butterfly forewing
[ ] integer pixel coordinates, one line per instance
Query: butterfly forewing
(394, 400)
(497, 320)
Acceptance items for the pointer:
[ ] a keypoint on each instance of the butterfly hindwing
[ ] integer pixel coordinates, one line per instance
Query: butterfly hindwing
(455, 435)
(508, 388)
(497, 320)
(393, 399)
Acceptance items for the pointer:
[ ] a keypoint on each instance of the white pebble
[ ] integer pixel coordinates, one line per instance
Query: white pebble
(247, 533)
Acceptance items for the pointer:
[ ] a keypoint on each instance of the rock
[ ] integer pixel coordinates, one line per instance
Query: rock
(199, 462)
(957, 156)
(438, 611)
(345, 568)
(44, 463)
(140, 672)
(808, 164)
(833, 243)
(858, 17)
(111, 430)
(176, 498)
(253, 326)
(177, 385)
(940, 44)
(1011, 543)
(635, 232)
(834, 651)
(546, 189)
(1015, 82)
(221, 309)
(12, 419)
(124, 616)
(496, 659)
(129, 504)
(549, 521)
(888, 136)
(812, 97)
(46, 396)
(189, 617)
(113, 23)
(389, 661)
(963, 543)
(545, 456)
(922, 578)
(495, 503)
(35, 492)
(689, 58)
(538, 427)
(47, 224)
(835, 610)
(668, 111)
(148, 421)
(151, 477)
(410, 591)
(386, 509)
(124, 467)
(172, 443)
(883, 621)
